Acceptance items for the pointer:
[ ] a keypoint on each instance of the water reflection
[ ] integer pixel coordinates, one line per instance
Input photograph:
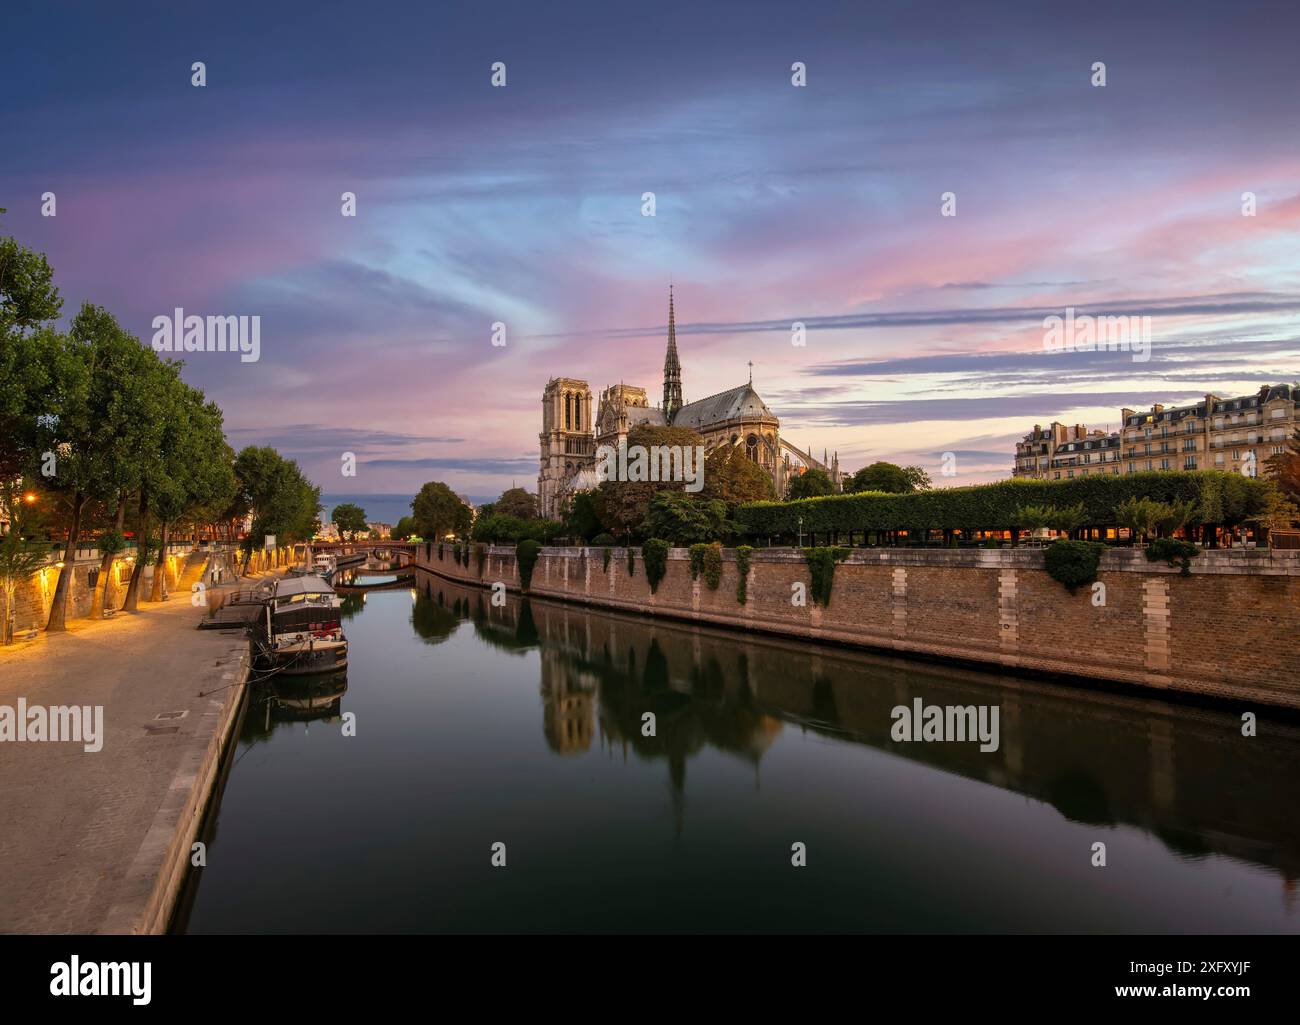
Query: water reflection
(285, 699)
(1181, 773)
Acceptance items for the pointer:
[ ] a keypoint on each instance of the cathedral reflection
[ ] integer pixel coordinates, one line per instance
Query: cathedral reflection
(1096, 757)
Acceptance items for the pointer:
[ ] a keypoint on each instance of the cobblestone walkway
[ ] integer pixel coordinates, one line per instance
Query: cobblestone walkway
(84, 836)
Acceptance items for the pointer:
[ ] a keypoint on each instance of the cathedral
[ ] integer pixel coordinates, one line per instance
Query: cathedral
(738, 417)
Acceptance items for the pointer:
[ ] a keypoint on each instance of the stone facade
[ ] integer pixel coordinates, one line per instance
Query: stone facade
(1225, 631)
(34, 596)
(1237, 434)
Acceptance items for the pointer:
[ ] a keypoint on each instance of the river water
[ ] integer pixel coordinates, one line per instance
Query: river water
(524, 726)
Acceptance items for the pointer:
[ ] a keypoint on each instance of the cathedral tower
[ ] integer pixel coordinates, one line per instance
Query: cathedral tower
(567, 442)
(672, 367)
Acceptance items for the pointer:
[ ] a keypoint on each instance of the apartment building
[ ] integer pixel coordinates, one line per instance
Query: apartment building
(1215, 433)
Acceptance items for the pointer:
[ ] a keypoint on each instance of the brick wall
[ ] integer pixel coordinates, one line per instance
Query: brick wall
(1228, 630)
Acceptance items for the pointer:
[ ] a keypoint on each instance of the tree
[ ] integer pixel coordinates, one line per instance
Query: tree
(812, 483)
(19, 557)
(404, 529)
(29, 303)
(518, 503)
(283, 502)
(349, 518)
(91, 433)
(625, 504)
(438, 511)
(1284, 469)
(918, 478)
(731, 477)
(887, 477)
(582, 518)
(685, 519)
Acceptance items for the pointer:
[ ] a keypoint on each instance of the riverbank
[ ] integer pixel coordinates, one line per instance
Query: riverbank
(1225, 631)
(98, 841)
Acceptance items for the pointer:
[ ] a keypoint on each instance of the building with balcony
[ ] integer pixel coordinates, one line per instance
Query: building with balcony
(1236, 434)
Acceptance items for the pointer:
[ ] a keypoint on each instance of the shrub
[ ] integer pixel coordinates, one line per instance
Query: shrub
(742, 567)
(608, 553)
(1216, 497)
(440, 551)
(605, 540)
(1073, 563)
(526, 553)
(707, 559)
(631, 561)
(1173, 552)
(655, 553)
(821, 567)
(697, 560)
(480, 551)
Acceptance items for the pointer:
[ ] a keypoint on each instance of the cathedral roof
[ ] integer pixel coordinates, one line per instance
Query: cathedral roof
(637, 415)
(732, 404)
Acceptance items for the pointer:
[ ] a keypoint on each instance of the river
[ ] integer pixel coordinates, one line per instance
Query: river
(524, 726)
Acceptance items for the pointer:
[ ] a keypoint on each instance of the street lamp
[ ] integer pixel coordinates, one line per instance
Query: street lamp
(801, 530)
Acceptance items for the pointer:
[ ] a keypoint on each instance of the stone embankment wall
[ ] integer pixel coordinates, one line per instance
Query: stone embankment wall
(1228, 630)
(34, 596)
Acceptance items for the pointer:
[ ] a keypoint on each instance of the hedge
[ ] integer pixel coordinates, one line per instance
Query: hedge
(655, 554)
(1221, 498)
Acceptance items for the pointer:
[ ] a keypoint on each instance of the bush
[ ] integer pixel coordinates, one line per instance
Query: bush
(608, 553)
(742, 567)
(480, 552)
(603, 540)
(526, 553)
(631, 561)
(821, 567)
(1173, 552)
(1215, 497)
(707, 559)
(655, 553)
(1073, 563)
(440, 551)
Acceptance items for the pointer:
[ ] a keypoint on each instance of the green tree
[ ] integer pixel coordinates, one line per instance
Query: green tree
(887, 477)
(19, 557)
(284, 503)
(582, 518)
(686, 519)
(625, 504)
(516, 502)
(812, 483)
(918, 478)
(438, 511)
(731, 477)
(349, 518)
(404, 529)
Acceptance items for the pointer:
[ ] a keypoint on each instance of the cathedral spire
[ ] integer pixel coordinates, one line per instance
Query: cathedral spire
(672, 366)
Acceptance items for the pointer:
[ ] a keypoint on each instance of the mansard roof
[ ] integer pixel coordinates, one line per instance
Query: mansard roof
(737, 403)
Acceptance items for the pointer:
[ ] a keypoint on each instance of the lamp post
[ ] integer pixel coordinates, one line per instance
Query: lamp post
(801, 530)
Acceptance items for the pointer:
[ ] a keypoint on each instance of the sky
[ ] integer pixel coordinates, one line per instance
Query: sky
(774, 204)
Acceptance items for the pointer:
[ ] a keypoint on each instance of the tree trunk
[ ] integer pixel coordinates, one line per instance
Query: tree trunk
(100, 600)
(130, 604)
(160, 566)
(58, 608)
